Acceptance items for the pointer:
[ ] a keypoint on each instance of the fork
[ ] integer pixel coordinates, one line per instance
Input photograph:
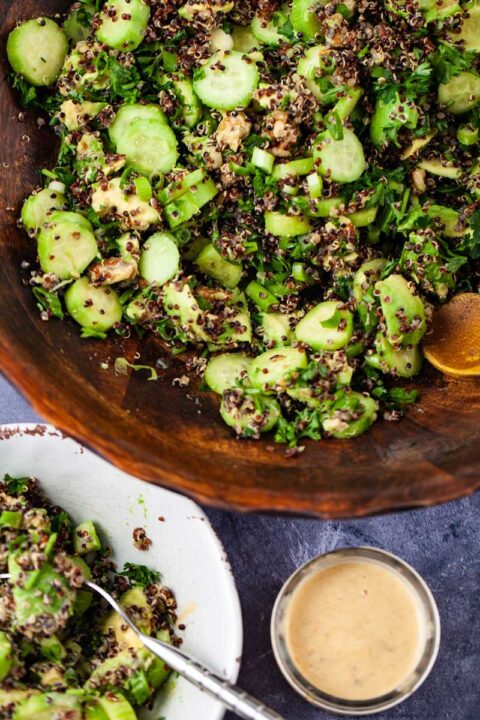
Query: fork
(237, 700)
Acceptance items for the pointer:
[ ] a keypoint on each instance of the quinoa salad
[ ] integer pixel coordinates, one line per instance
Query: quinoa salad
(280, 192)
(64, 653)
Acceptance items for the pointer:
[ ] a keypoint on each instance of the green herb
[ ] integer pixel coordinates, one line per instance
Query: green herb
(49, 301)
(16, 486)
(140, 574)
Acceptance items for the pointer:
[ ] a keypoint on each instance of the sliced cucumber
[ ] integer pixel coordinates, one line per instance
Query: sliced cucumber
(244, 40)
(190, 203)
(366, 276)
(127, 114)
(74, 114)
(275, 369)
(116, 707)
(78, 25)
(316, 64)
(179, 187)
(267, 31)
(94, 308)
(160, 259)
(304, 18)
(403, 311)
(342, 161)
(363, 412)
(461, 93)
(60, 216)
(405, 362)
(327, 326)
(123, 23)
(150, 146)
(191, 105)
(277, 329)
(66, 249)
(252, 416)
(282, 225)
(37, 49)
(38, 208)
(226, 81)
(224, 370)
(303, 166)
(216, 266)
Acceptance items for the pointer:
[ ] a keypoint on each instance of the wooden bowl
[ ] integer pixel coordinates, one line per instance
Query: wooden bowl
(161, 433)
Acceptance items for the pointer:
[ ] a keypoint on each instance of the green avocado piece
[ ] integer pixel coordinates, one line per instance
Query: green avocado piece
(403, 311)
(421, 260)
(180, 304)
(461, 93)
(361, 409)
(389, 117)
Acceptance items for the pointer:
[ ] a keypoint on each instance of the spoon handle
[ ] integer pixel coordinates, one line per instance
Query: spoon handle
(235, 699)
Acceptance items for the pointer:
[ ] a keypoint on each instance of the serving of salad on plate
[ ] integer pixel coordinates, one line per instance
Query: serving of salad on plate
(280, 192)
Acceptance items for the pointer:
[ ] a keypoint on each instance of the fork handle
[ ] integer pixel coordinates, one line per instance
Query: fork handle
(235, 699)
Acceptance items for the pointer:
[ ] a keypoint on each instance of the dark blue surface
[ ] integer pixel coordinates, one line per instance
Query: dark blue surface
(442, 543)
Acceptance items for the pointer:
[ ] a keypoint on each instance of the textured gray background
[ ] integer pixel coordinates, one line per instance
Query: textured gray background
(443, 543)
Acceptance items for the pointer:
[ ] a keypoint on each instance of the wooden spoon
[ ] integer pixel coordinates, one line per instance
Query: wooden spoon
(453, 345)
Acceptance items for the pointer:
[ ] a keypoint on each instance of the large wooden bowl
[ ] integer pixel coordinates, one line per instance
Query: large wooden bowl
(160, 433)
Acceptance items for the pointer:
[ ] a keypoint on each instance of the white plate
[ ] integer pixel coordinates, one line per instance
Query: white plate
(184, 548)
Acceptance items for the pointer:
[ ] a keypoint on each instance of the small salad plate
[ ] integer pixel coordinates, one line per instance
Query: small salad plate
(184, 549)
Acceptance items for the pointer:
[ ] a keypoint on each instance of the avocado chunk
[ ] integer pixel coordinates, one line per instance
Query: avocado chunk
(404, 362)
(350, 415)
(180, 304)
(46, 706)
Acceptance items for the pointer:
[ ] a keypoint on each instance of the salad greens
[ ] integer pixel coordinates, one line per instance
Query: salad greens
(283, 190)
(63, 652)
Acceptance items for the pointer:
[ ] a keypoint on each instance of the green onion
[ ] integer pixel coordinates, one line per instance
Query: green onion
(262, 297)
(143, 189)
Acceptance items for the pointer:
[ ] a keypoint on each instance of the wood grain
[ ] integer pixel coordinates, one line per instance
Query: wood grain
(160, 433)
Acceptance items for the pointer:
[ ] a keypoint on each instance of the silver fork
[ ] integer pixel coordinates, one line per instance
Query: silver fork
(234, 699)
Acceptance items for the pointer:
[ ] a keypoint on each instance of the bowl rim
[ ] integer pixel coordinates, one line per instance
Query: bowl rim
(264, 501)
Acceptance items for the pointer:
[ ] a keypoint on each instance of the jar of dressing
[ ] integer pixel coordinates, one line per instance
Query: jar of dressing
(355, 631)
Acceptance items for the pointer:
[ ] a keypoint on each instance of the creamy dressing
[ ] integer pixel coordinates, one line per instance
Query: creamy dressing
(355, 629)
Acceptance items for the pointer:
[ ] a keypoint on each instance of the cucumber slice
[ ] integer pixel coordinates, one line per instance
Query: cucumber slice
(268, 31)
(116, 707)
(274, 369)
(38, 208)
(276, 328)
(363, 218)
(244, 40)
(252, 416)
(362, 409)
(403, 311)
(123, 23)
(37, 49)
(59, 216)
(78, 25)
(191, 105)
(366, 276)
(94, 308)
(160, 259)
(282, 225)
(303, 166)
(405, 362)
(461, 93)
(49, 705)
(224, 370)
(66, 249)
(6, 655)
(261, 296)
(469, 34)
(342, 161)
(85, 538)
(326, 326)
(304, 19)
(150, 146)
(93, 711)
(316, 63)
(179, 187)
(127, 114)
(226, 81)
(216, 266)
(189, 204)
